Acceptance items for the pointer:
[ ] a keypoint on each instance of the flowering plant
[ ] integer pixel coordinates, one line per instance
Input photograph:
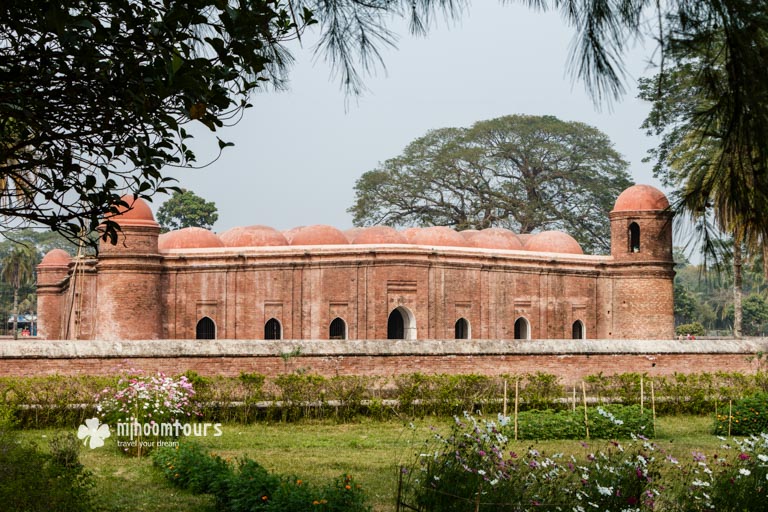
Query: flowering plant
(153, 398)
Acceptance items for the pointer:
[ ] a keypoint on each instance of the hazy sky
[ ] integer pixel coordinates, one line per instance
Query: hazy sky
(298, 153)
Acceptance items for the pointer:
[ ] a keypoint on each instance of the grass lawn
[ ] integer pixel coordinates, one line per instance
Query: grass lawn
(317, 452)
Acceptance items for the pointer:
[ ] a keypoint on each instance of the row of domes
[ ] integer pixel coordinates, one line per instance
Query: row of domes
(440, 236)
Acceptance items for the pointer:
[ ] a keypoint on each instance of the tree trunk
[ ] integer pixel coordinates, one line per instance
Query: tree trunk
(737, 290)
(15, 313)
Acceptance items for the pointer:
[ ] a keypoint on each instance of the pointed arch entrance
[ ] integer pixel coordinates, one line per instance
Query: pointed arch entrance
(401, 324)
(205, 329)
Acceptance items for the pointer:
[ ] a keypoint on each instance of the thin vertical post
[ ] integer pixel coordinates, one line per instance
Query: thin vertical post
(730, 416)
(642, 395)
(517, 401)
(584, 397)
(504, 407)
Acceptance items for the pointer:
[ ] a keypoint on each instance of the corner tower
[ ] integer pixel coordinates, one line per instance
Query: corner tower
(128, 297)
(637, 297)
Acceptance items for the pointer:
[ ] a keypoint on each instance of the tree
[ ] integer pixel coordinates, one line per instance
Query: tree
(94, 96)
(18, 270)
(525, 173)
(185, 209)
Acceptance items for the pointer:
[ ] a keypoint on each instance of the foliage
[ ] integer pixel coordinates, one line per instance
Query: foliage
(96, 96)
(473, 468)
(748, 415)
(694, 329)
(18, 269)
(31, 480)
(525, 173)
(755, 315)
(186, 209)
(604, 422)
(247, 486)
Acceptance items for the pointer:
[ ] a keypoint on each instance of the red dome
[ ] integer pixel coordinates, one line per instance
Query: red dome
(469, 233)
(290, 233)
(410, 233)
(56, 258)
(351, 233)
(137, 213)
(319, 234)
(252, 236)
(440, 236)
(188, 238)
(553, 241)
(379, 235)
(641, 197)
(496, 238)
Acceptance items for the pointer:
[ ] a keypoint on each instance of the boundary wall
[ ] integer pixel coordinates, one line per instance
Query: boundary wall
(571, 360)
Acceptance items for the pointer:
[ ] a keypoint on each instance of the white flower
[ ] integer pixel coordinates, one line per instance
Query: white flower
(700, 483)
(745, 472)
(762, 457)
(605, 491)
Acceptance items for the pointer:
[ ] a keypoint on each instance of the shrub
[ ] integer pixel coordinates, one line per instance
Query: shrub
(694, 329)
(32, 481)
(248, 486)
(748, 416)
(605, 422)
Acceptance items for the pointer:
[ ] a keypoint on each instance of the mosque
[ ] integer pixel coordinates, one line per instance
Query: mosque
(376, 283)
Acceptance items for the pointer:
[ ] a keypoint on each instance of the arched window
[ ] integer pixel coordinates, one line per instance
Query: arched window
(461, 329)
(206, 329)
(634, 237)
(578, 330)
(272, 330)
(338, 329)
(401, 324)
(522, 329)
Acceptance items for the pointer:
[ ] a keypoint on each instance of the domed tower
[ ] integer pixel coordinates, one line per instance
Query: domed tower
(638, 294)
(128, 291)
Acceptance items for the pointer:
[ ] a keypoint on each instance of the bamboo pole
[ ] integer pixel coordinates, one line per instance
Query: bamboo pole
(730, 416)
(642, 395)
(504, 407)
(653, 407)
(584, 397)
(574, 398)
(517, 401)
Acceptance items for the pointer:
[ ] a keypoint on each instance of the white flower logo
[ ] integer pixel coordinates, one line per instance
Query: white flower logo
(93, 430)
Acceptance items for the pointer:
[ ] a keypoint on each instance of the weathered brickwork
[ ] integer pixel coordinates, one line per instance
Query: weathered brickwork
(140, 289)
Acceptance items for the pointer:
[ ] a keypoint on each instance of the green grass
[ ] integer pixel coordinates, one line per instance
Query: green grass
(317, 452)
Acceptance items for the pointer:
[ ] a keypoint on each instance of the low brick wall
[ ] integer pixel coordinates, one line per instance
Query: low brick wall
(570, 359)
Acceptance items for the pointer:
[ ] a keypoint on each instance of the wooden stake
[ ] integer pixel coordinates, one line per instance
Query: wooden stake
(517, 401)
(653, 407)
(574, 398)
(504, 408)
(730, 416)
(584, 397)
(642, 396)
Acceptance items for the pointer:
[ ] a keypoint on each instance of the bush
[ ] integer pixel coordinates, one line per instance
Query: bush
(605, 422)
(694, 329)
(248, 487)
(748, 416)
(32, 481)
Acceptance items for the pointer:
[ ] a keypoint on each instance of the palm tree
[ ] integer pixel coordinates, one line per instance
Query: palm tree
(17, 271)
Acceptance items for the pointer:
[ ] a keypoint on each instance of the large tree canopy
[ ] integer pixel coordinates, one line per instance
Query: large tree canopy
(186, 209)
(525, 173)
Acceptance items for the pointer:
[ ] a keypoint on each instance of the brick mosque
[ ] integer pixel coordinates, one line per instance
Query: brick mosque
(376, 283)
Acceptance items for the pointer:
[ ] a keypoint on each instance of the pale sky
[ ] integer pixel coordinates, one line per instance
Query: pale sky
(298, 153)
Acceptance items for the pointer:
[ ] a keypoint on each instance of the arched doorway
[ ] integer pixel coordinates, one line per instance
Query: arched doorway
(273, 330)
(401, 324)
(461, 329)
(578, 330)
(522, 329)
(206, 329)
(634, 237)
(337, 330)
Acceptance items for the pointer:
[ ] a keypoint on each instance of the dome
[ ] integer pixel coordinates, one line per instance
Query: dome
(440, 236)
(379, 235)
(137, 213)
(290, 233)
(351, 233)
(468, 233)
(553, 241)
(188, 238)
(641, 197)
(409, 234)
(56, 258)
(252, 236)
(496, 238)
(319, 234)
